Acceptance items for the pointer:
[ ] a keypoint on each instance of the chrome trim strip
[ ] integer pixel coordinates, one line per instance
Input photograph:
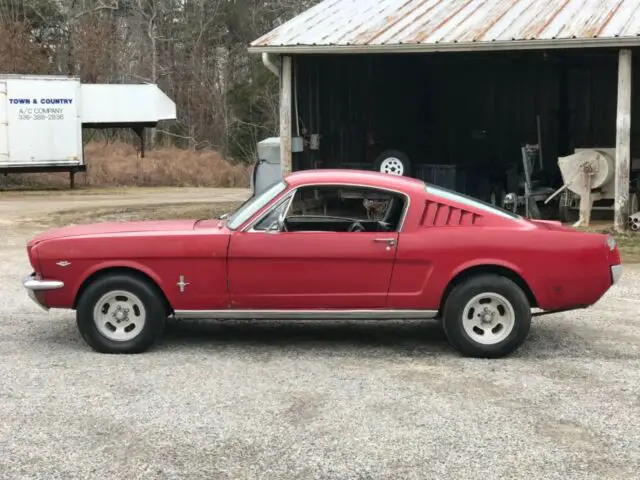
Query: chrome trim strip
(319, 314)
(291, 194)
(32, 286)
(616, 273)
(30, 283)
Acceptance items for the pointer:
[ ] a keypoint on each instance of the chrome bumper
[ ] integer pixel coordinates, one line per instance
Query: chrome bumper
(616, 273)
(34, 285)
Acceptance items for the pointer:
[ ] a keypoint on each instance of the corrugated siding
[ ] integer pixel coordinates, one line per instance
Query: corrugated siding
(455, 22)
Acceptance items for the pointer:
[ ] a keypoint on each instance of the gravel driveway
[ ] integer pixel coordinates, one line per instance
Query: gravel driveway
(330, 400)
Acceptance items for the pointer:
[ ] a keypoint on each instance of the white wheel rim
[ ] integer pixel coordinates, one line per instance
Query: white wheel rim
(392, 165)
(488, 318)
(119, 316)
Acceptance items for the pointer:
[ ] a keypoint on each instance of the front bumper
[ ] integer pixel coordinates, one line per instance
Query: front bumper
(616, 273)
(33, 285)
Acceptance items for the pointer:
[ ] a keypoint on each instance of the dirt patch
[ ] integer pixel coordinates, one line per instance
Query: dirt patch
(135, 213)
(42, 210)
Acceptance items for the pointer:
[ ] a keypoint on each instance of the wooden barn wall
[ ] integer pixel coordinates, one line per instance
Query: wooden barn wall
(460, 108)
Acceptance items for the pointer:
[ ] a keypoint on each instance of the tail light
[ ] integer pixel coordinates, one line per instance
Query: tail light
(614, 252)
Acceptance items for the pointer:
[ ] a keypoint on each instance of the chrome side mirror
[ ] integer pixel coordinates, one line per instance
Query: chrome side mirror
(274, 227)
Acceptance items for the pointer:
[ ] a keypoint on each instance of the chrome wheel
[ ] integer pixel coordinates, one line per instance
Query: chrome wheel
(119, 315)
(392, 165)
(488, 318)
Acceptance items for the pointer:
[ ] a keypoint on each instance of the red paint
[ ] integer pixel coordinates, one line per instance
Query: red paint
(563, 267)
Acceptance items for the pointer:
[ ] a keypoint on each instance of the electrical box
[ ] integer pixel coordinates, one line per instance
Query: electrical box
(267, 169)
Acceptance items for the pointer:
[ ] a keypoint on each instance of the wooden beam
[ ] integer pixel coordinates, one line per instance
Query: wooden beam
(285, 115)
(623, 142)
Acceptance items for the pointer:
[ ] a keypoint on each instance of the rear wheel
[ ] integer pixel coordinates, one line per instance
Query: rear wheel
(121, 313)
(487, 316)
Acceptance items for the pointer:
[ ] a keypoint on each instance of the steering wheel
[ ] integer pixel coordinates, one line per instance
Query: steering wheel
(356, 227)
(385, 226)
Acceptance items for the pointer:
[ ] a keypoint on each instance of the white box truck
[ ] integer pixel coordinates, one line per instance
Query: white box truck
(42, 117)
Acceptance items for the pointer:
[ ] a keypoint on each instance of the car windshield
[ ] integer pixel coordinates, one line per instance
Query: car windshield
(470, 201)
(253, 204)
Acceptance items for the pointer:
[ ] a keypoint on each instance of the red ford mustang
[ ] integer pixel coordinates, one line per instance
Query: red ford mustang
(326, 244)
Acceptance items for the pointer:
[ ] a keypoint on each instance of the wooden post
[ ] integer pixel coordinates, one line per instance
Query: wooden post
(586, 204)
(285, 115)
(623, 142)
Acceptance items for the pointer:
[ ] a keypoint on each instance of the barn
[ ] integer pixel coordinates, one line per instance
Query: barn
(469, 94)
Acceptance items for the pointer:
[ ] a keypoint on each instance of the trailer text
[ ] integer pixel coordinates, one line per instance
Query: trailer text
(43, 101)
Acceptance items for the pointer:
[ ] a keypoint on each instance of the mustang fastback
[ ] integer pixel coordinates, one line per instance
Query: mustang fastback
(323, 245)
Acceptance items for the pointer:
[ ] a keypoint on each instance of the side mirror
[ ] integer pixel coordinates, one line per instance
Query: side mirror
(273, 227)
(276, 226)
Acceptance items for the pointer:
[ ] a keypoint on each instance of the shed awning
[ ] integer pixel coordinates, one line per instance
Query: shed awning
(376, 26)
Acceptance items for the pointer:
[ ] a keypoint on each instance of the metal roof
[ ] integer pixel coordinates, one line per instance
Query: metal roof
(362, 26)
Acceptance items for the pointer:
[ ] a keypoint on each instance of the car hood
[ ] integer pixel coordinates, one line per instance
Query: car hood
(114, 228)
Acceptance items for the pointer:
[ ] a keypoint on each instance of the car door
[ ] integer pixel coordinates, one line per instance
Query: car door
(310, 269)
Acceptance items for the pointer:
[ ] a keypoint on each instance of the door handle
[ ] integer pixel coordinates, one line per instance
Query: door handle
(388, 241)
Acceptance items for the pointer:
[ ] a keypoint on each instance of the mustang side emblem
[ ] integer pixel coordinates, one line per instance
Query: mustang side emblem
(181, 284)
(63, 263)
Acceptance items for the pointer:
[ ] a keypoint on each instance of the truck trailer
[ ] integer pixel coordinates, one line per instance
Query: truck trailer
(42, 118)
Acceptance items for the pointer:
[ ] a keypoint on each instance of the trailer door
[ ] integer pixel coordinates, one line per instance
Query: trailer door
(43, 122)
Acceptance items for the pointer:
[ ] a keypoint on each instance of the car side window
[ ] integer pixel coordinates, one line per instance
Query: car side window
(343, 208)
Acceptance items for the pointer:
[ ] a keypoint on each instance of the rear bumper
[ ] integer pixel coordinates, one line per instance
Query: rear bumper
(33, 285)
(616, 273)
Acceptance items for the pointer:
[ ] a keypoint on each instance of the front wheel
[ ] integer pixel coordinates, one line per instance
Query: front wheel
(487, 316)
(120, 313)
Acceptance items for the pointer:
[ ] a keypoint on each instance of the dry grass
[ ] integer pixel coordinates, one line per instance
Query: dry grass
(119, 164)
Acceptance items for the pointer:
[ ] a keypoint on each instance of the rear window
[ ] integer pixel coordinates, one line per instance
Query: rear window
(469, 201)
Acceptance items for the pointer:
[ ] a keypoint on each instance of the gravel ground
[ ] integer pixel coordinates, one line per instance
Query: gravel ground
(331, 400)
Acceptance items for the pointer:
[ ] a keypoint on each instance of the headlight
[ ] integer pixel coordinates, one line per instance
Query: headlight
(611, 242)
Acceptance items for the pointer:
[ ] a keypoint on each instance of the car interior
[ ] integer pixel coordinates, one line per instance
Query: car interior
(338, 209)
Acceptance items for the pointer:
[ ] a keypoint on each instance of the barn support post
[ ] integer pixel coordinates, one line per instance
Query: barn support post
(623, 142)
(285, 115)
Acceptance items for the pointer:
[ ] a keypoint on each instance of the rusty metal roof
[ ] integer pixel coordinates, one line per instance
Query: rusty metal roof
(361, 26)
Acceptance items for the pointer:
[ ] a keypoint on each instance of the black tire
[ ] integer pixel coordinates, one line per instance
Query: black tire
(148, 298)
(402, 157)
(566, 214)
(463, 293)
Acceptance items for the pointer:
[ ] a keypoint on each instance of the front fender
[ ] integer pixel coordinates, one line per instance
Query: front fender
(76, 275)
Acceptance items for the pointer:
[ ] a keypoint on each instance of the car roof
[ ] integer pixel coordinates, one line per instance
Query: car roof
(356, 177)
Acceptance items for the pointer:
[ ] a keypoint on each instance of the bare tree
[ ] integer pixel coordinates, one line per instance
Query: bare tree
(195, 50)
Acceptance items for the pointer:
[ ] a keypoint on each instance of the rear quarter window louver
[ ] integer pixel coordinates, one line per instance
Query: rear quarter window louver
(438, 214)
